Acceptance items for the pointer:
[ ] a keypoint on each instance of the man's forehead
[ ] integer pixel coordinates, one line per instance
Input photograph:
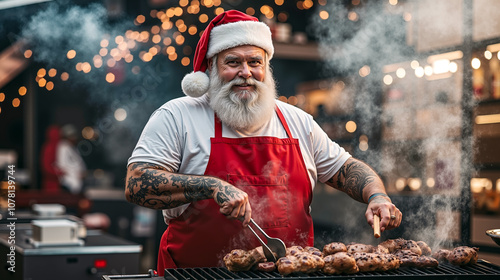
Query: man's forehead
(247, 50)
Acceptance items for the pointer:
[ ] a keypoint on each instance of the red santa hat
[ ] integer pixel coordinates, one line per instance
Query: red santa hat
(227, 30)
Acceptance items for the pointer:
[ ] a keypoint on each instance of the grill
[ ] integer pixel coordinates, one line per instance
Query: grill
(482, 270)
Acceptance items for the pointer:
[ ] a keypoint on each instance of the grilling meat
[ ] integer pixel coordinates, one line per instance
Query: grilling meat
(359, 248)
(334, 247)
(266, 266)
(426, 250)
(368, 261)
(241, 260)
(389, 262)
(463, 255)
(441, 255)
(340, 263)
(411, 259)
(300, 262)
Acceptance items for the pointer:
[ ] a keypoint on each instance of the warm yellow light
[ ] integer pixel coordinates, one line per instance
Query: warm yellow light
(129, 58)
(364, 71)
(120, 114)
(355, 2)
(477, 185)
(2, 96)
(64, 76)
(431, 182)
(104, 43)
(155, 29)
(401, 73)
(279, 2)
(172, 57)
(183, 3)
(203, 18)
(265, 9)
(419, 72)
(393, 2)
(475, 63)
(156, 39)
(49, 86)
(178, 11)
(453, 67)
(192, 30)
(428, 70)
(307, 4)
(140, 19)
(179, 40)
(22, 90)
(182, 28)
(352, 16)
(292, 100)
(488, 119)
(167, 41)
(283, 99)
(16, 102)
(52, 72)
(86, 67)
(250, 11)
(71, 54)
(414, 64)
(185, 61)
(147, 57)
(88, 133)
(350, 126)
(324, 15)
(103, 52)
(28, 53)
(110, 77)
(488, 55)
(407, 16)
(170, 50)
(414, 183)
(41, 72)
(388, 79)
(42, 82)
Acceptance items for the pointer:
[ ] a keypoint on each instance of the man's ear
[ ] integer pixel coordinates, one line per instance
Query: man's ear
(210, 63)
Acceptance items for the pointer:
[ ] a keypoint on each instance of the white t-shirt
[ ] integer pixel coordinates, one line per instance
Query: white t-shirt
(177, 137)
(69, 161)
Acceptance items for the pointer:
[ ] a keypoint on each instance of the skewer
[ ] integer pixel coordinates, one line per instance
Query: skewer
(376, 226)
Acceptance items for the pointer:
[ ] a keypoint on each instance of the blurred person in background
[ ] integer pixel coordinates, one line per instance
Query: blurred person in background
(49, 169)
(69, 161)
(232, 150)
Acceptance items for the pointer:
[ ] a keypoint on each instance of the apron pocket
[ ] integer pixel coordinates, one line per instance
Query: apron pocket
(268, 195)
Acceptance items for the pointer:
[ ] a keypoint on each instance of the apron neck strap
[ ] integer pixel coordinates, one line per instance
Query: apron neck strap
(218, 124)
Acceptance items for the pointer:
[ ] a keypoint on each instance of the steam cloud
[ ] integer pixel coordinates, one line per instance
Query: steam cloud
(424, 126)
(58, 28)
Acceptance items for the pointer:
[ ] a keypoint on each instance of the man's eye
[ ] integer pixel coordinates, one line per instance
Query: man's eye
(255, 62)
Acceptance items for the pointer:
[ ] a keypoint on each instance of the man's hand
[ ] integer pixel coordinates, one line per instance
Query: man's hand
(233, 203)
(390, 215)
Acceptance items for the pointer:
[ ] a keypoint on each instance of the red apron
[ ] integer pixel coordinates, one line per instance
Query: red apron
(273, 174)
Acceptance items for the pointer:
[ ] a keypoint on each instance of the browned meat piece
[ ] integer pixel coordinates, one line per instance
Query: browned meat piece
(359, 248)
(340, 263)
(441, 255)
(409, 258)
(393, 244)
(368, 261)
(313, 250)
(412, 246)
(463, 255)
(389, 262)
(286, 265)
(300, 262)
(241, 260)
(426, 250)
(293, 250)
(426, 262)
(266, 266)
(380, 250)
(334, 247)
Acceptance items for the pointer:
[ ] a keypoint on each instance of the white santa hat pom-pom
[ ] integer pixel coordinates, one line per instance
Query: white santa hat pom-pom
(195, 84)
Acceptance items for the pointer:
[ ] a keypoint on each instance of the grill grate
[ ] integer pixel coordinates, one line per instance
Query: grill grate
(481, 270)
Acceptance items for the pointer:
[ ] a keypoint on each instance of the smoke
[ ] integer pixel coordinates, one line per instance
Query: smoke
(421, 130)
(140, 86)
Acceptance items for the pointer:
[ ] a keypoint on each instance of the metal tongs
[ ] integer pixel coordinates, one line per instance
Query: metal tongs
(274, 245)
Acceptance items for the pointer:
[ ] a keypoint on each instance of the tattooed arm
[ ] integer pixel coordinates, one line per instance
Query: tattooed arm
(360, 182)
(155, 187)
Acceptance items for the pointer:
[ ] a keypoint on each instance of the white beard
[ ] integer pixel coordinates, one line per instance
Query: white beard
(249, 113)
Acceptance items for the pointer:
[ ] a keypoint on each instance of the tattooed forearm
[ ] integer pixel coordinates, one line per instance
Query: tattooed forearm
(352, 178)
(155, 187)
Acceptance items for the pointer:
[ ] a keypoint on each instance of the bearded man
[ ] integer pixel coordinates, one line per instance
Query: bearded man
(230, 152)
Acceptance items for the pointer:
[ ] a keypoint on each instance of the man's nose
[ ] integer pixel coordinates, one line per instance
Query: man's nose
(245, 71)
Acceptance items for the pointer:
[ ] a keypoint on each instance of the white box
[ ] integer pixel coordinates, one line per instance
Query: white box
(54, 231)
